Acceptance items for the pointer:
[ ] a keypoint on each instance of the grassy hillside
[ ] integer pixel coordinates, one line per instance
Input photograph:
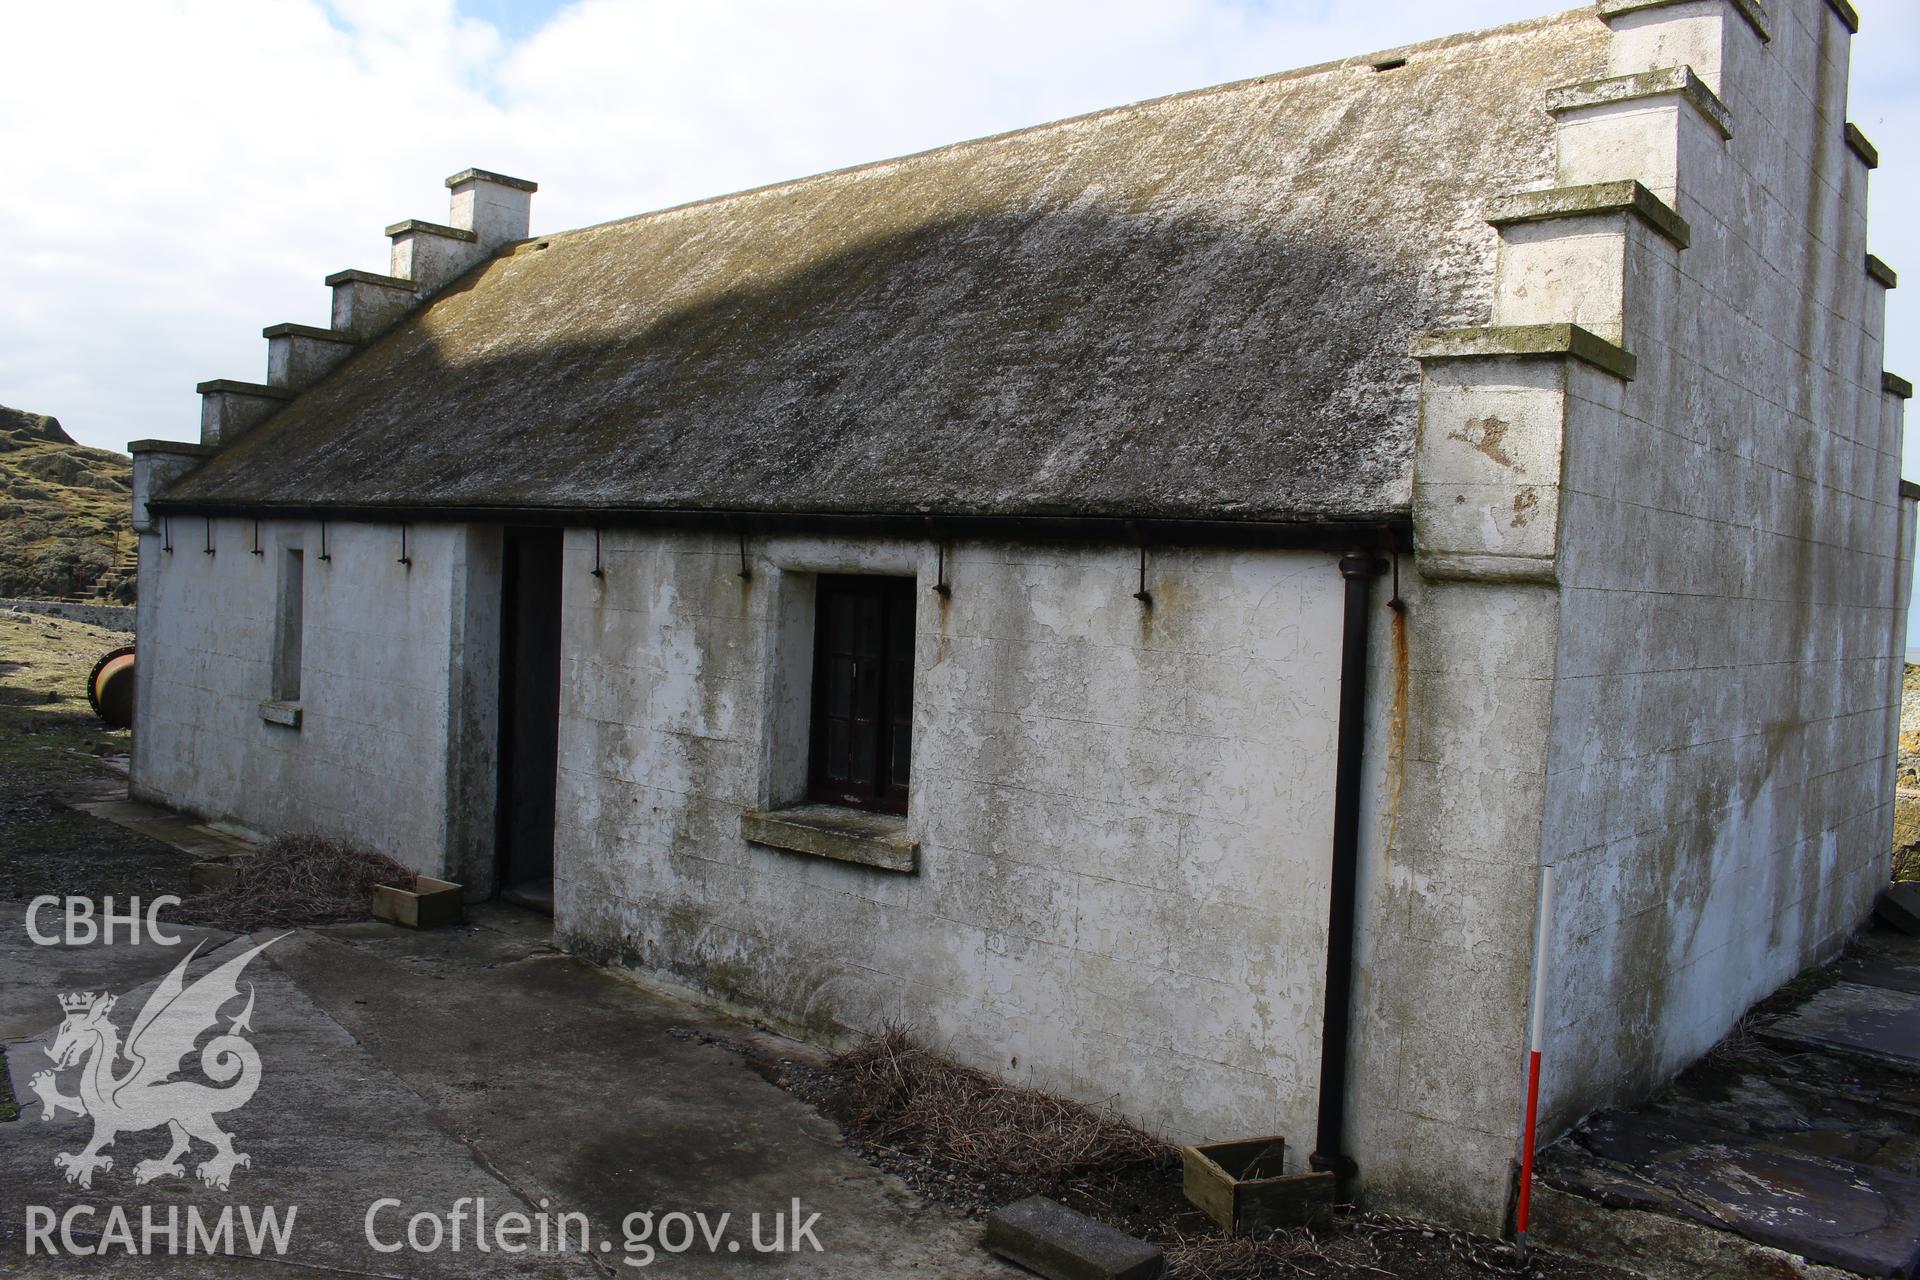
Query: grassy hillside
(64, 510)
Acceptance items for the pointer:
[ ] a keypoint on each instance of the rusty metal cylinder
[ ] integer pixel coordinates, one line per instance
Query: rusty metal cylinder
(110, 688)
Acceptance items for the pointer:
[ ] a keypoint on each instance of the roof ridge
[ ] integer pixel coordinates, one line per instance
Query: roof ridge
(1273, 77)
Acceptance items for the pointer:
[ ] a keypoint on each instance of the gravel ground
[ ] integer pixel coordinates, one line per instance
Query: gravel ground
(52, 745)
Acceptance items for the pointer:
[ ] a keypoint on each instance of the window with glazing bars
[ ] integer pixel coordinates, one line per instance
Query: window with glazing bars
(862, 730)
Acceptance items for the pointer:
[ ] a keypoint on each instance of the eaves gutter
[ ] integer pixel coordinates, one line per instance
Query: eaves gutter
(1390, 534)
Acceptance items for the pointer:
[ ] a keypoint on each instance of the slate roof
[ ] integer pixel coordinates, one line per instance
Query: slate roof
(1195, 307)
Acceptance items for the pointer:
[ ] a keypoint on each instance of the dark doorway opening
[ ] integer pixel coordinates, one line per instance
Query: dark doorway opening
(529, 715)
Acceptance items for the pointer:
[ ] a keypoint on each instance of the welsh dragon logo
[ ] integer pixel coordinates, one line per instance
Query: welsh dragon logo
(143, 1095)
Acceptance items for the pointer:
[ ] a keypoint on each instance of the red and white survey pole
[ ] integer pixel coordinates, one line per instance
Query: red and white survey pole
(1542, 926)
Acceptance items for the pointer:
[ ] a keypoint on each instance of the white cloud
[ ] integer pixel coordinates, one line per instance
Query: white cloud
(180, 173)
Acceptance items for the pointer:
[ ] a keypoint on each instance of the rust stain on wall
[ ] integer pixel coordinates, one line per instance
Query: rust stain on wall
(1396, 734)
(1486, 436)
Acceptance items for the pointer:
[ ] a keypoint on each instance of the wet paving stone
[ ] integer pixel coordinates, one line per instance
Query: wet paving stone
(1848, 1017)
(1800, 1132)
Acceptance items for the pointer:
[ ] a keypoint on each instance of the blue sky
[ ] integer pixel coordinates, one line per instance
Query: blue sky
(183, 172)
(515, 20)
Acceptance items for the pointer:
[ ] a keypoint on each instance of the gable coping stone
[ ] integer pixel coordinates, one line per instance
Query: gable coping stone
(1524, 341)
(1857, 141)
(288, 330)
(419, 226)
(497, 179)
(353, 275)
(233, 386)
(1644, 84)
(1627, 196)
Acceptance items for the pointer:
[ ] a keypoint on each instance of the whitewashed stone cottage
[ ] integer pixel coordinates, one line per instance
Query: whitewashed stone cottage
(1138, 598)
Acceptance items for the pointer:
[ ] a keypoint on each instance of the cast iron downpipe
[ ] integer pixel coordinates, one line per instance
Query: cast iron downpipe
(1359, 568)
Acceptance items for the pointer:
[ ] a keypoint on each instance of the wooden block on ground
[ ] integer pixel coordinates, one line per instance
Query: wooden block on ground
(425, 904)
(1240, 1186)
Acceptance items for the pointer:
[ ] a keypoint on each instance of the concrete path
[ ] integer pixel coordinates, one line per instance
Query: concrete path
(471, 1064)
(32, 977)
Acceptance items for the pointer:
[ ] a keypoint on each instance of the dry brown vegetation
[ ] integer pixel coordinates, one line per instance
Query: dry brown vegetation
(965, 1136)
(295, 880)
(1031, 1142)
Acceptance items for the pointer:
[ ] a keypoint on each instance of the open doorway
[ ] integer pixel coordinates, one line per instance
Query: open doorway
(529, 715)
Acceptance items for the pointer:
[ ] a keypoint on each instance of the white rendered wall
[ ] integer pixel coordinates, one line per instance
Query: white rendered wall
(1732, 570)
(1457, 692)
(1125, 817)
(370, 760)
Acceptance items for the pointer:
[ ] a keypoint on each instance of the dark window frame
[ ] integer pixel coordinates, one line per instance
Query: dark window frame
(289, 627)
(840, 769)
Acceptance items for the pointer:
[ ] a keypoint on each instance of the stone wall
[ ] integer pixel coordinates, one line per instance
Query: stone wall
(113, 617)
(1124, 814)
(1733, 579)
(372, 759)
(1662, 581)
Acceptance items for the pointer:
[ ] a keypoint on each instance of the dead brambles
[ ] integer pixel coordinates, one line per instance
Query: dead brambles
(1213, 1256)
(1369, 1244)
(962, 1137)
(1016, 1140)
(294, 880)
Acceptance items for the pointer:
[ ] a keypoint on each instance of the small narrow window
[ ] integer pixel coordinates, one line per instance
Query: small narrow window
(288, 625)
(862, 731)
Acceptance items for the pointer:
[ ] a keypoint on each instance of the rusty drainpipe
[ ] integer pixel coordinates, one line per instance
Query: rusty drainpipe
(1359, 568)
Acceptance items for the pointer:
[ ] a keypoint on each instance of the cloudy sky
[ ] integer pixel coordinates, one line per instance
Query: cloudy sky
(179, 173)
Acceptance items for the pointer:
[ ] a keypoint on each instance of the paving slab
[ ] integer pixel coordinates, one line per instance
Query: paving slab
(1823, 1104)
(1829, 1211)
(177, 829)
(1882, 958)
(1873, 1022)
(1898, 907)
(1799, 1133)
(1051, 1240)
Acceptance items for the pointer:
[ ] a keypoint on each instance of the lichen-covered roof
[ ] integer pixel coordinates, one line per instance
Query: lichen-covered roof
(1196, 307)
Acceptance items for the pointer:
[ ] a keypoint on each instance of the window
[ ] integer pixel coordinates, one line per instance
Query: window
(862, 726)
(288, 624)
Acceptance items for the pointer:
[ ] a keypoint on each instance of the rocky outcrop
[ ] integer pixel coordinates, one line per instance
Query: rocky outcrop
(64, 512)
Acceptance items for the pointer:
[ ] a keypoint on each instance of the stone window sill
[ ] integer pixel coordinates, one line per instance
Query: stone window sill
(878, 840)
(286, 714)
